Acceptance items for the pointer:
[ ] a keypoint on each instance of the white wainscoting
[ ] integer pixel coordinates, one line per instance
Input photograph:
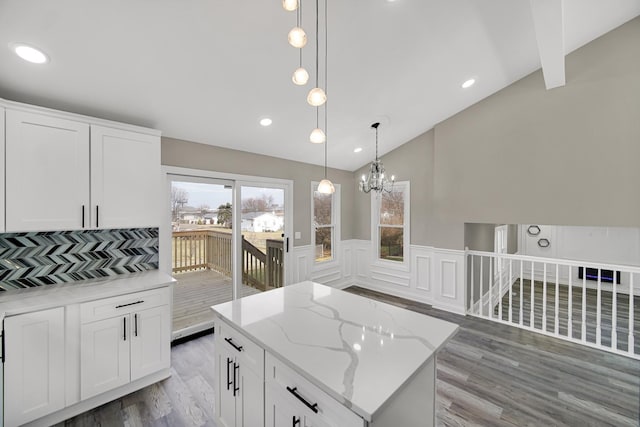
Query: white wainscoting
(335, 273)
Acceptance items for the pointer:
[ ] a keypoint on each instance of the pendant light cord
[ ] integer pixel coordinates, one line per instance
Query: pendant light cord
(326, 84)
(299, 24)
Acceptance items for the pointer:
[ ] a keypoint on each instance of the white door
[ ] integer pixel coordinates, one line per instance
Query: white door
(225, 400)
(104, 355)
(125, 179)
(34, 376)
(47, 173)
(150, 341)
(250, 400)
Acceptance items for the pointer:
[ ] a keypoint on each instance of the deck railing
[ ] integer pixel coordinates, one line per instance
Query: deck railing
(589, 303)
(210, 249)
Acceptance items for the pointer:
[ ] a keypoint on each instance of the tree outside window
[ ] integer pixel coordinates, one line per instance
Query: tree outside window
(323, 226)
(391, 224)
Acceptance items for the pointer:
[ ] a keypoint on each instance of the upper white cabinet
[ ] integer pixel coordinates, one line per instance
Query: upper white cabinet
(47, 173)
(34, 373)
(67, 174)
(125, 178)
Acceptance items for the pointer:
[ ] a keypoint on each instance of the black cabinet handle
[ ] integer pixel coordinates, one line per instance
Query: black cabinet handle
(82, 216)
(135, 324)
(124, 329)
(236, 388)
(131, 303)
(294, 391)
(295, 421)
(229, 361)
(97, 216)
(237, 347)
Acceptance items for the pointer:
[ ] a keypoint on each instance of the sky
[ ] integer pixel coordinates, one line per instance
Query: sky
(215, 195)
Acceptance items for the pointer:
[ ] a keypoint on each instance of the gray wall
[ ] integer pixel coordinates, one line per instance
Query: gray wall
(529, 155)
(200, 156)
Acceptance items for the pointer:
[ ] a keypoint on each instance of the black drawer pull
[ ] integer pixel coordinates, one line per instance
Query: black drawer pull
(295, 421)
(294, 391)
(131, 303)
(236, 388)
(229, 382)
(237, 347)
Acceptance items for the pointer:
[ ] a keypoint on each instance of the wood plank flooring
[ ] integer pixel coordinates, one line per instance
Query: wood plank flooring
(489, 374)
(196, 292)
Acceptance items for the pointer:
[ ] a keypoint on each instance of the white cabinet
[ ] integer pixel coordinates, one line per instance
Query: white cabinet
(280, 410)
(64, 174)
(123, 339)
(125, 178)
(47, 173)
(239, 379)
(34, 365)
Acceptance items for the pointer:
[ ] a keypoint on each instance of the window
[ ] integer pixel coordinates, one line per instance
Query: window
(391, 223)
(325, 231)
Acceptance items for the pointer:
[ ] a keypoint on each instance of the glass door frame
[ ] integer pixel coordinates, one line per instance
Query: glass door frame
(174, 173)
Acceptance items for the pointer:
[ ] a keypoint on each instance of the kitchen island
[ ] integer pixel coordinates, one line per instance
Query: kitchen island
(311, 355)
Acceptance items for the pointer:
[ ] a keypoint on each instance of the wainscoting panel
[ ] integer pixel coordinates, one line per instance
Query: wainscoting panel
(302, 256)
(449, 280)
(330, 273)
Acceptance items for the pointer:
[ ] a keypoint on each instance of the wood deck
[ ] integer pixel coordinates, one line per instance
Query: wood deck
(196, 292)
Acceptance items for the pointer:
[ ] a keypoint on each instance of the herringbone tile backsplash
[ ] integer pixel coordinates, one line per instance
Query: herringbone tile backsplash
(45, 258)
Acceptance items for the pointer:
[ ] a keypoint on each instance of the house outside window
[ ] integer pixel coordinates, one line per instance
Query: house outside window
(325, 230)
(390, 225)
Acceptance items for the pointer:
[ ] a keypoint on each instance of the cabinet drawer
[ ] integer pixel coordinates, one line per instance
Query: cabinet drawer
(249, 354)
(296, 389)
(123, 304)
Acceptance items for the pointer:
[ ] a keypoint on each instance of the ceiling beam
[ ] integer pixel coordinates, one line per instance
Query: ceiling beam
(548, 21)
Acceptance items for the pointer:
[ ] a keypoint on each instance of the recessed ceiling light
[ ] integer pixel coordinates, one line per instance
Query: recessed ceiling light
(29, 53)
(266, 122)
(357, 150)
(468, 83)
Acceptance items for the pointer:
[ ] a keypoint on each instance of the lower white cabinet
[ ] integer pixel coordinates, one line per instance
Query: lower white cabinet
(281, 411)
(239, 380)
(131, 344)
(34, 374)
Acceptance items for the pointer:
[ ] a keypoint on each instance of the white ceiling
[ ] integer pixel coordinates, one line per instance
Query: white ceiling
(208, 70)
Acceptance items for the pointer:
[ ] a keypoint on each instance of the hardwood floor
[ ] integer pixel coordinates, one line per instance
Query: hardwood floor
(196, 292)
(489, 374)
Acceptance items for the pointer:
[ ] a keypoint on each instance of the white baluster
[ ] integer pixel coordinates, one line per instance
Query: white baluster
(491, 282)
(481, 285)
(599, 309)
(631, 345)
(471, 302)
(614, 313)
(510, 290)
(532, 316)
(570, 307)
(544, 297)
(584, 304)
(499, 266)
(557, 313)
(521, 291)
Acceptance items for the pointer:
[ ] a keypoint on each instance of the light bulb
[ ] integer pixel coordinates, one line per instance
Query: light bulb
(316, 97)
(300, 76)
(290, 5)
(326, 187)
(364, 178)
(297, 37)
(317, 136)
(30, 54)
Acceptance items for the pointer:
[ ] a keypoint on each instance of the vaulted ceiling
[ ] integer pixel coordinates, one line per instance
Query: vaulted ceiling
(208, 70)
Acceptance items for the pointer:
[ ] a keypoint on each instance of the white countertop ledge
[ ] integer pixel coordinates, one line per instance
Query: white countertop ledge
(357, 350)
(50, 296)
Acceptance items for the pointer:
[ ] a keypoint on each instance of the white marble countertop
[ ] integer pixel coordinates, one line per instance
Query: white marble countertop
(358, 350)
(44, 297)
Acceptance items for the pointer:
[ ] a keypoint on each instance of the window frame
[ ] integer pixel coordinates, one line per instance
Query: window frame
(376, 199)
(335, 223)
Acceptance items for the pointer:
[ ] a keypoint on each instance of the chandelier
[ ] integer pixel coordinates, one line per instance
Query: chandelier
(376, 181)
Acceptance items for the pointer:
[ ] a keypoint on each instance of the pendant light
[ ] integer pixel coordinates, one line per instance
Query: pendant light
(300, 76)
(317, 96)
(376, 181)
(297, 37)
(325, 186)
(290, 5)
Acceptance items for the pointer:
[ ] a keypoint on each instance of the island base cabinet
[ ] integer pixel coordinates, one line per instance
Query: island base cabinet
(34, 368)
(280, 411)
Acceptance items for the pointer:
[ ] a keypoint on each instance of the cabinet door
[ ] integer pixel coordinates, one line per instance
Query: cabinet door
(104, 355)
(125, 179)
(47, 173)
(250, 398)
(150, 341)
(34, 365)
(225, 399)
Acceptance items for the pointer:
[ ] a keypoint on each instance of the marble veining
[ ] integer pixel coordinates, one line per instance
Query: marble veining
(357, 350)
